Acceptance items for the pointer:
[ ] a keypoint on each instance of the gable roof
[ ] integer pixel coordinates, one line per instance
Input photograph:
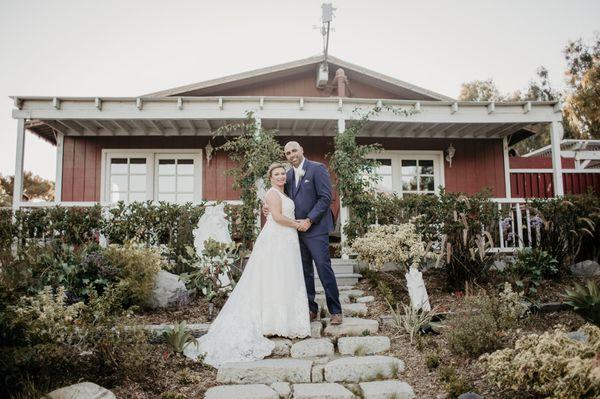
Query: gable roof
(377, 79)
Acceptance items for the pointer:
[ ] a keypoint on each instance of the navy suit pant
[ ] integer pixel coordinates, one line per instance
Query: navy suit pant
(316, 248)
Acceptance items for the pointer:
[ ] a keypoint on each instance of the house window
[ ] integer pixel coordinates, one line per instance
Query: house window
(410, 172)
(155, 176)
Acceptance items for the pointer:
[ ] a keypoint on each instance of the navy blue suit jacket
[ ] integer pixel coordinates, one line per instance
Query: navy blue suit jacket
(312, 197)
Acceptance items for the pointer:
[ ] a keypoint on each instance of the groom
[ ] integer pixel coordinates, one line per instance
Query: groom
(309, 186)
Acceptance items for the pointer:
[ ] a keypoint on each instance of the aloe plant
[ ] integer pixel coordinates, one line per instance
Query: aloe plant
(179, 337)
(586, 300)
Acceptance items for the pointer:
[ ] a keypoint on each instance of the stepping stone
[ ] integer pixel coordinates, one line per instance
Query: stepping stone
(351, 326)
(354, 293)
(284, 389)
(353, 309)
(387, 389)
(321, 391)
(362, 346)
(312, 347)
(282, 347)
(322, 301)
(317, 373)
(248, 391)
(316, 328)
(265, 371)
(365, 299)
(363, 368)
(320, 290)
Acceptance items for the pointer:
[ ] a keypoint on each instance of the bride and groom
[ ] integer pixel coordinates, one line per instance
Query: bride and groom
(275, 295)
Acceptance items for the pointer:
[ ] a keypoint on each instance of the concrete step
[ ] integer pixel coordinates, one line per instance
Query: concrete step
(363, 368)
(340, 268)
(351, 326)
(361, 346)
(351, 309)
(321, 391)
(387, 389)
(265, 371)
(247, 391)
(341, 279)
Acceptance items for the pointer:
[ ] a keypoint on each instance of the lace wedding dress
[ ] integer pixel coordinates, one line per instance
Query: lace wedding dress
(269, 299)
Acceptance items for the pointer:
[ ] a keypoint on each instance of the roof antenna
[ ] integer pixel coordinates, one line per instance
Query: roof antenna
(327, 17)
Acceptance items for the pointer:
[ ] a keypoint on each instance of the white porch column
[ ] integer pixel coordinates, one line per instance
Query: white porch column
(60, 140)
(343, 210)
(556, 135)
(20, 155)
(506, 167)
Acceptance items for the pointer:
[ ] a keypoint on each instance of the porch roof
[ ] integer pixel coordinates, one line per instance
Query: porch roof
(291, 116)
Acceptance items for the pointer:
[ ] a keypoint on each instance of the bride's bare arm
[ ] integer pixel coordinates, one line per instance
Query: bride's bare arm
(273, 201)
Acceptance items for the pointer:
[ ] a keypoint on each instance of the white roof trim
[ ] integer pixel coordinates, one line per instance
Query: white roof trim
(573, 145)
(297, 64)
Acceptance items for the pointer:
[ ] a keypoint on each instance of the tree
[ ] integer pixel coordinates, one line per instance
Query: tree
(34, 187)
(480, 90)
(582, 106)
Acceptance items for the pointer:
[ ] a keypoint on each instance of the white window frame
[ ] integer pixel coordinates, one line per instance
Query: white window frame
(151, 169)
(398, 155)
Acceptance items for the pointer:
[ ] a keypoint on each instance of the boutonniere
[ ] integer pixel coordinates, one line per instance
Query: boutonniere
(301, 173)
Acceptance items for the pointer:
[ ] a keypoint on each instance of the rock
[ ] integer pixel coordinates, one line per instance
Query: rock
(353, 293)
(265, 371)
(387, 389)
(362, 346)
(316, 328)
(311, 347)
(156, 330)
(470, 395)
(83, 390)
(578, 336)
(499, 265)
(247, 391)
(587, 268)
(365, 299)
(322, 301)
(284, 389)
(318, 372)
(363, 368)
(351, 326)
(353, 309)
(386, 319)
(282, 347)
(321, 391)
(168, 291)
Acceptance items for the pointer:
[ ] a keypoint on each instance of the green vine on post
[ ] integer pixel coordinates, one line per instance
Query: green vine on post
(252, 149)
(355, 172)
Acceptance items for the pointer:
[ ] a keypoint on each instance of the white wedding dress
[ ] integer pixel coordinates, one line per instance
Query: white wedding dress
(269, 299)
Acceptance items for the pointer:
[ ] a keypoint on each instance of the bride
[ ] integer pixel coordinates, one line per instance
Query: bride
(270, 297)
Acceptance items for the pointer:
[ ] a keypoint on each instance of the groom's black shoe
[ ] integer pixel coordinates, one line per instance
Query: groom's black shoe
(313, 316)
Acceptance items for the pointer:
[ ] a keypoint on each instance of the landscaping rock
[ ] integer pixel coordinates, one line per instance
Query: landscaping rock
(316, 328)
(318, 372)
(351, 326)
(248, 391)
(361, 346)
(284, 389)
(587, 268)
(470, 395)
(322, 301)
(321, 391)
(387, 389)
(266, 371)
(83, 390)
(578, 336)
(282, 347)
(311, 347)
(156, 330)
(363, 368)
(365, 299)
(353, 293)
(168, 291)
(353, 309)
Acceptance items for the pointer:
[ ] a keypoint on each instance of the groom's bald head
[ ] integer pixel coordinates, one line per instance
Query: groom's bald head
(294, 153)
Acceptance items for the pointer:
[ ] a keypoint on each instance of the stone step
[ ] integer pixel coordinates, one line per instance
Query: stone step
(387, 389)
(320, 290)
(265, 371)
(321, 300)
(363, 368)
(352, 309)
(365, 299)
(352, 326)
(342, 279)
(312, 347)
(321, 391)
(246, 391)
(340, 268)
(361, 346)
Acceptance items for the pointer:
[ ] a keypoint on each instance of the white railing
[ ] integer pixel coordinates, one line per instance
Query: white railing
(47, 204)
(515, 231)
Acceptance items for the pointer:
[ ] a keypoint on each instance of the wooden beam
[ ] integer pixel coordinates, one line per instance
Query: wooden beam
(56, 103)
(491, 107)
(57, 126)
(60, 142)
(19, 161)
(110, 130)
(123, 125)
(140, 125)
(174, 125)
(527, 107)
(156, 125)
(556, 135)
(98, 103)
(139, 103)
(454, 108)
(506, 167)
(179, 102)
(427, 130)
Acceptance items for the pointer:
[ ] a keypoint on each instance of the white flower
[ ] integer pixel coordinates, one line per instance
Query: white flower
(301, 173)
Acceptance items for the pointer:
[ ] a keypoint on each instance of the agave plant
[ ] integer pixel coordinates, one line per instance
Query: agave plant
(586, 300)
(179, 337)
(410, 319)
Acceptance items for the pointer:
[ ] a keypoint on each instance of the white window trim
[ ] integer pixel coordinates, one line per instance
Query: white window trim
(107, 153)
(397, 155)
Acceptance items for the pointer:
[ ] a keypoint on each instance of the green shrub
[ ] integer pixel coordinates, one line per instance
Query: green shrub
(137, 268)
(179, 337)
(586, 300)
(432, 361)
(479, 327)
(531, 266)
(454, 384)
(550, 365)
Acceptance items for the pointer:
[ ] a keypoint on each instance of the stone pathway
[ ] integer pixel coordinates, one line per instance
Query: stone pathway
(338, 362)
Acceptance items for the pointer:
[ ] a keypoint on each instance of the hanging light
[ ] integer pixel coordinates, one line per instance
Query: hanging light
(209, 150)
(450, 154)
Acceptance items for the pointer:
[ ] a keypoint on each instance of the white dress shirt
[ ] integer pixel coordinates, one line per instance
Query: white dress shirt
(297, 171)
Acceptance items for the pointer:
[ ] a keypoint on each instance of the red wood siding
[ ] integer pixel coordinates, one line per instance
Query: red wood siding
(538, 163)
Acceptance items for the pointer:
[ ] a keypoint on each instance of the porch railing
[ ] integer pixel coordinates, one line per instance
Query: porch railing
(517, 228)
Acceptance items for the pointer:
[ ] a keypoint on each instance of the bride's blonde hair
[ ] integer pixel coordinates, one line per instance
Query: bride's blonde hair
(273, 166)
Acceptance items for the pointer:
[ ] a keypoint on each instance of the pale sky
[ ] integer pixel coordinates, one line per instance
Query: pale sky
(132, 47)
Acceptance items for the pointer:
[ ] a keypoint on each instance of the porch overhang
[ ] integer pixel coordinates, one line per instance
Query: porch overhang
(290, 116)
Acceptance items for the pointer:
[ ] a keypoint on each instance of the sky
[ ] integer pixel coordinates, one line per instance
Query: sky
(133, 47)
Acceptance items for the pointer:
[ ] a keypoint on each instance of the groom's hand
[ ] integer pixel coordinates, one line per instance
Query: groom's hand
(265, 210)
(304, 225)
